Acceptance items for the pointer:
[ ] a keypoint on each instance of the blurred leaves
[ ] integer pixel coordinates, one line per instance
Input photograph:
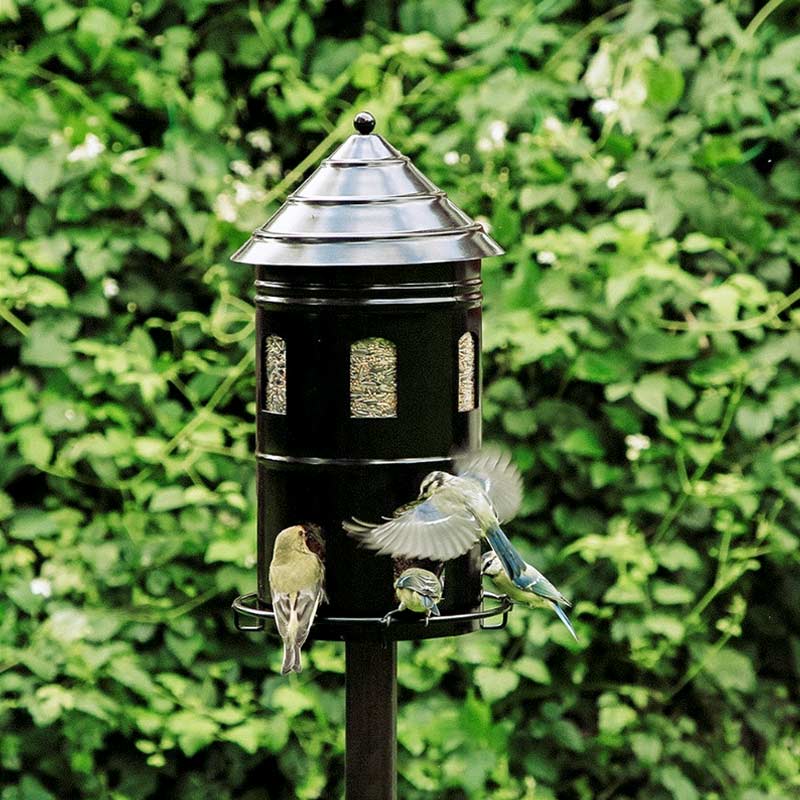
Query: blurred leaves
(639, 164)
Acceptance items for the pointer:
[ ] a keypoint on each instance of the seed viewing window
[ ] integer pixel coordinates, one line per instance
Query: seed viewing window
(275, 375)
(373, 378)
(466, 372)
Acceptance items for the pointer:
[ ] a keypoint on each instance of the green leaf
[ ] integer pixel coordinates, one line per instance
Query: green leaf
(678, 784)
(495, 684)
(48, 342)
(43, 173)
(34, 445)
(610, 366)
(535, 669)
(32, 524)
(12, 163)
(192, 730)
(650, 394)
(47, 253)
(206, 112)
(732, 670)
(583, 442)
(615, 717)
(664, 83)
(168, 499)
(754, 421)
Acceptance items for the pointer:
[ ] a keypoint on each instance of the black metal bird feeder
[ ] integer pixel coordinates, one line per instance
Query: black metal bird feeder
(368, 310)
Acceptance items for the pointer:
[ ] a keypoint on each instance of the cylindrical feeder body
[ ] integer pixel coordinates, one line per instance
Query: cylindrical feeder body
(368, 309)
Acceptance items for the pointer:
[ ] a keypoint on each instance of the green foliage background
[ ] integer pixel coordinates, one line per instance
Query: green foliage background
(639, 162)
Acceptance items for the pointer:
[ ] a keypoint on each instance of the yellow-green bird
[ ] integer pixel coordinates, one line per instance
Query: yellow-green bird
(297, 585)
(417, 590)
(530, 589)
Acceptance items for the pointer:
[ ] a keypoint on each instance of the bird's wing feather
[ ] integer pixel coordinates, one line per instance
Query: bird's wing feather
(424, 530)
(533, 581)
(493, 470)
(422, 582)
(303, 605)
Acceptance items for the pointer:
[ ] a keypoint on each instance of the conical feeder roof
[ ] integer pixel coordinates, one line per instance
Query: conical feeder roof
(366, 204)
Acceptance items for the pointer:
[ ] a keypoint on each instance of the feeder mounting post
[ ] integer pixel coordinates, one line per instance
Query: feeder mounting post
(371, 720)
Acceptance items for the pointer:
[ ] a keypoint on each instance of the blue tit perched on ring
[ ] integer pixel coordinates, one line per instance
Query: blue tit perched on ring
(452, 513)
(297, 586)
(531, 589)
(417, 590)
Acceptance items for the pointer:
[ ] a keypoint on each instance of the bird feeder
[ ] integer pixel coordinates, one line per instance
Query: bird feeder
(368, 325)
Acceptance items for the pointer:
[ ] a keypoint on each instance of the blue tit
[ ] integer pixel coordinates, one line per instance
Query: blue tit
(296, 582)
(417, 590)
(453, 513)
(531, 589)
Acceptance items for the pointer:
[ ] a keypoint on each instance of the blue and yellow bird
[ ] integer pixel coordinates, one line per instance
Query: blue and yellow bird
(417, 590)
(530, 589)
(452, 513)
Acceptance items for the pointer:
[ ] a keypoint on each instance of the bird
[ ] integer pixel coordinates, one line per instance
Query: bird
(531, 589)
(297, 586)
(452, 513)
(417, 590)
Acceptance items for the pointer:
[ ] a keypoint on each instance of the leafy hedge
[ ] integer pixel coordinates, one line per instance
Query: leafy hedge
(640, 163)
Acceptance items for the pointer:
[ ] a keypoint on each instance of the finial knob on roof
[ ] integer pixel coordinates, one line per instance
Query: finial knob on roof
(364, 122)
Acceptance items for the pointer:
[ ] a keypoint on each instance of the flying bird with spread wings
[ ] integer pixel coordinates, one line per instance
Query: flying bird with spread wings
(452, 513)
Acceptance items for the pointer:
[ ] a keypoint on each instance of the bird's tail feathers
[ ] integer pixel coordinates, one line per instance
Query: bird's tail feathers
(512, 561)
(291, 659)
(562, 615)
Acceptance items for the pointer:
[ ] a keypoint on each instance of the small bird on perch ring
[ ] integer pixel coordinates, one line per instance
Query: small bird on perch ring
(296, 583)
(417, 590)
(531, 589)
(453, 513)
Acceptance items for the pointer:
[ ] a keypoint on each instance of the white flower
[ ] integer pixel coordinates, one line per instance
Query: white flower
(110, 287)
(484, 145)
(497, 131)
(41, 587)
(241, 168)
(90, 148)
(606, 106)
(637, 442)
(616, 180)
(552, 125)
(224, 208)
(243, 192)
(451, 158)
(546, 257)
(260, 139)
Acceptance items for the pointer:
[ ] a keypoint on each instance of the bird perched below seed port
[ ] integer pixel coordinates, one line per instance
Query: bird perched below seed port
(296, 582)
(531, 589)
(417, 590)
(453, 513)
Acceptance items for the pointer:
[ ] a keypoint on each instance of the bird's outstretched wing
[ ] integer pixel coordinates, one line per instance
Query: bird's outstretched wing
(422, 530)
(420, 581)
(492, 469)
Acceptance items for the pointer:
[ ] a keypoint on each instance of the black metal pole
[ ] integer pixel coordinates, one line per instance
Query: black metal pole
(371, 720)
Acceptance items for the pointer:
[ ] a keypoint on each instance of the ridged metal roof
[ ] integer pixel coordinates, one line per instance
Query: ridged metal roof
(366, 204)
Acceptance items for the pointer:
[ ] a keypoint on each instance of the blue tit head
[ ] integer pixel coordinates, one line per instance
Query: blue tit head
(490, 564)
(431, 482)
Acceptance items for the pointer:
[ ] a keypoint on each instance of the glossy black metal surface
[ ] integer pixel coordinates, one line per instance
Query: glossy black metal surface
(366, 205)
(317, 463)
(370, 721)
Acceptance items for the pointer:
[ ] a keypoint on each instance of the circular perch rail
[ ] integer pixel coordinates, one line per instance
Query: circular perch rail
(247, 605)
